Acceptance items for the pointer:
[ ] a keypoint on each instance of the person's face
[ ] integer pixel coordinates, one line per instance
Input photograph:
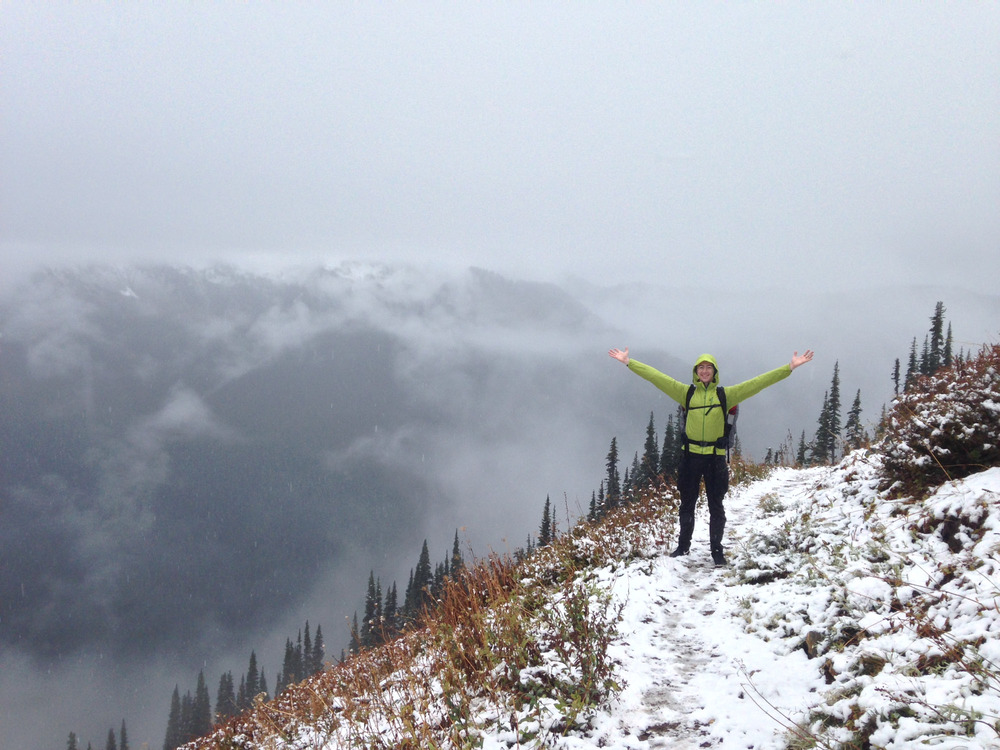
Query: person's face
(705, 372)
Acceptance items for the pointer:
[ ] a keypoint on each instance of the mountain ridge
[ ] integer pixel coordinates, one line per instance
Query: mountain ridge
(858, 612)
(126, 392)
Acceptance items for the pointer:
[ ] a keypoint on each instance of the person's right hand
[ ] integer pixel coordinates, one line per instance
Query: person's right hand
(620, 354)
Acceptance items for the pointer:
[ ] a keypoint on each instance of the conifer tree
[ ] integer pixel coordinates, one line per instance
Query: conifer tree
(925, 357)
(111, 744)
(854, 432)
(819, 446)
(437, 584)
(287, 675)
(835, 409)
(667, 468)
(649, 469)
(71, 744)
(262, 687)
(936, 355)
(911, 367)
(423, 577)
(201, 708)
(800, 456)
(831, 434)
(635, 483)
(613, 485)
(307, 648)
(592, 511)
(677, 446)
(253, 680)
(881, 424)
(369, 624)
(173, 736)
(123, 737)
(947, 356)
(319, 648)
(187, 716)
(355, 644)
(390, 621)
(225, 699)
(457, 563)
(409, 606)
(545, 531)
(295, 665)
(895, 378)
(393, 621)
(242, 703)
(828, 432)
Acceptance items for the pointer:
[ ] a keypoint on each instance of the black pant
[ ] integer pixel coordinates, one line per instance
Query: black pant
(715, 471)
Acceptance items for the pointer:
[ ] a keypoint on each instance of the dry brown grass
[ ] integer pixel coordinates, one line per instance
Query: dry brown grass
(520, 645)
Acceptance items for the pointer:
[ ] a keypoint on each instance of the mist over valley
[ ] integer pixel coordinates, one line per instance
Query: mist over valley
(194, 461)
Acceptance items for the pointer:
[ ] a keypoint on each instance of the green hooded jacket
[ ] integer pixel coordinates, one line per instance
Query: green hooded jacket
(705, 423)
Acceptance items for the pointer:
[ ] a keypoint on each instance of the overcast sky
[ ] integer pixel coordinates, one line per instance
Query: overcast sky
(797, 146)
(667, 141)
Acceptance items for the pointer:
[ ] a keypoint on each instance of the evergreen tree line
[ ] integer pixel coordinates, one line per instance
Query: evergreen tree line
(113, 743)
(833, 440)
(191, 716)
(384, 618)
(936, 353)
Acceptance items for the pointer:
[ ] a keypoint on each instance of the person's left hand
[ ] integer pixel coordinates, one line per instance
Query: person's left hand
(620, 354)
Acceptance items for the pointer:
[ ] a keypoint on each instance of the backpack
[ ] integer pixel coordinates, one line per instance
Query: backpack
(731, 416)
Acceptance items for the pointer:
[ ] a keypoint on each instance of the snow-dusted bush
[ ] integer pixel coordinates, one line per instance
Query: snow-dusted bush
(946, 427)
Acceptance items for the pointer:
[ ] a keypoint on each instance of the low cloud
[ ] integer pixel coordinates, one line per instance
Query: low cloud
(196, 470)
(185, 414)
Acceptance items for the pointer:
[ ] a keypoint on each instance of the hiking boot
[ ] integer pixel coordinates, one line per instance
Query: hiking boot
(684, 539)
(719, 558)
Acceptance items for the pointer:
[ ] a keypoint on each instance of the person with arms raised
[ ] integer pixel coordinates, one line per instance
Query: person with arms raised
(703, 456)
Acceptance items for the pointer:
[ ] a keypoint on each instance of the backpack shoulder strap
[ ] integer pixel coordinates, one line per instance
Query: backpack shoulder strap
(687, 409)
(724, 440)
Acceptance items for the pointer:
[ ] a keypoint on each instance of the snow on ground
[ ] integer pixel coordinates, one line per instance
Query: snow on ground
(717, 657)
(846, 619)
(693, 676)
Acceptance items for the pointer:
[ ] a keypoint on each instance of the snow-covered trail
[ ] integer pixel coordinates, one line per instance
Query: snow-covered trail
(694, 677)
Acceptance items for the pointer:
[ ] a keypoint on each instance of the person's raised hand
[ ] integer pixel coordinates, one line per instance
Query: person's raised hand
(620, 354)
(798, 361)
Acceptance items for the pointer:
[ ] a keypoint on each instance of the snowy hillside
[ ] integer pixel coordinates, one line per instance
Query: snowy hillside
(851, 616)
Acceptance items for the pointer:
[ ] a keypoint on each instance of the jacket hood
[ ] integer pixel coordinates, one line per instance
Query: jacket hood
(705, 358)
